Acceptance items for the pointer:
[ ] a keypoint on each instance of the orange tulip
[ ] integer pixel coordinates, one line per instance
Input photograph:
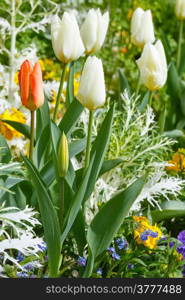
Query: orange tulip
(31, 85)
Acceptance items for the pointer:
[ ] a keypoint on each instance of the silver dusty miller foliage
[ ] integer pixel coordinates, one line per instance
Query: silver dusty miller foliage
(136, 140)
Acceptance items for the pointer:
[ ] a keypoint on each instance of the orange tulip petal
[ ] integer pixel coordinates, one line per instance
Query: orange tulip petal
(24, 81)
(36, 85)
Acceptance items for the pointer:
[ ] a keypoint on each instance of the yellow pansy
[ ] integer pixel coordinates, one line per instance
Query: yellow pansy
(146, 234)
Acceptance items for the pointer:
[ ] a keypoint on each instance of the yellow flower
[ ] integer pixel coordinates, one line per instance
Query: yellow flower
(145, 233)
(140, 219)
(13, 115)
(178, 161)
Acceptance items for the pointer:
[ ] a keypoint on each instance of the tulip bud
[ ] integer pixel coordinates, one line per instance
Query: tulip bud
(91, 93)
(66, 39)
(31, 85)
(180, 9)
(153, 67)
(63, 156)
(142, 29)
(94, 29)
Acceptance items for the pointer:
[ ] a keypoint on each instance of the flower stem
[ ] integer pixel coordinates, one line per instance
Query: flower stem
(88, 147)
(162, 120)
(138, 84)
(179, 44)
(150, 99)
(59, 92)
(32, 134)
(61, 202)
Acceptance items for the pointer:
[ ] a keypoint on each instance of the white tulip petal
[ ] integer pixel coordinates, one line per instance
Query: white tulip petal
(91, 92)
(103, 23)
(66, 39)
(89, 30)
(152, 65)
(180, 9)
(94, 29)
(142, 29)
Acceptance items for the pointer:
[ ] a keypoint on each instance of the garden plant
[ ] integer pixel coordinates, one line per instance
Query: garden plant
(92, 139)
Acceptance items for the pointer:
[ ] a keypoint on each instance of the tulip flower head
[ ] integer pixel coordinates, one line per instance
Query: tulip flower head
(31, 85)
(142, 28)
(91, 93)
(66, 39)
(94, 29)
(180, 9)
(153, 67)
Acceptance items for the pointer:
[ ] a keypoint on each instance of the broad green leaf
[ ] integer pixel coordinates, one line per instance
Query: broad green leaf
(55, 136)
(49, 219)
(176, 133)
(43, 118)
(42, 147)
(144, 102)
(5, 154)
(108, 220)
(173, 82)
(170, 209)
(77, 202)
(77, 147)
(22, 128)
(106, 166)
(71, 117)
(70, 85)
(123, 82)
(79, 233)
(109, 165)
(48, 172)
(166, 45)
(99, 149)
(182, 61)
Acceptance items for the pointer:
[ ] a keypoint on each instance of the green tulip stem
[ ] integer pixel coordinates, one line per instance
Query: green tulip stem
(138, 84)
(162, 120)
(59, 92)
(151, 98)
(32, 134)
(61, 202)
(180, 44)
(88, 147)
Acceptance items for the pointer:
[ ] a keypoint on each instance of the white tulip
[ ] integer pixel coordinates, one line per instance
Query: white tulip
(94, 29)
(91, 93)
(66, 39)
(180, 9)
(142, 28)
(153, 67)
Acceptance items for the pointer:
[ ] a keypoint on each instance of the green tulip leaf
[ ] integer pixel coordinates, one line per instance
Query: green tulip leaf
(49, 219)
(169, 209)
(71, 117)
(5, 154)
(43, 118)
(123, 83)
(77, 201)
(108, 220)
(70, 85)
